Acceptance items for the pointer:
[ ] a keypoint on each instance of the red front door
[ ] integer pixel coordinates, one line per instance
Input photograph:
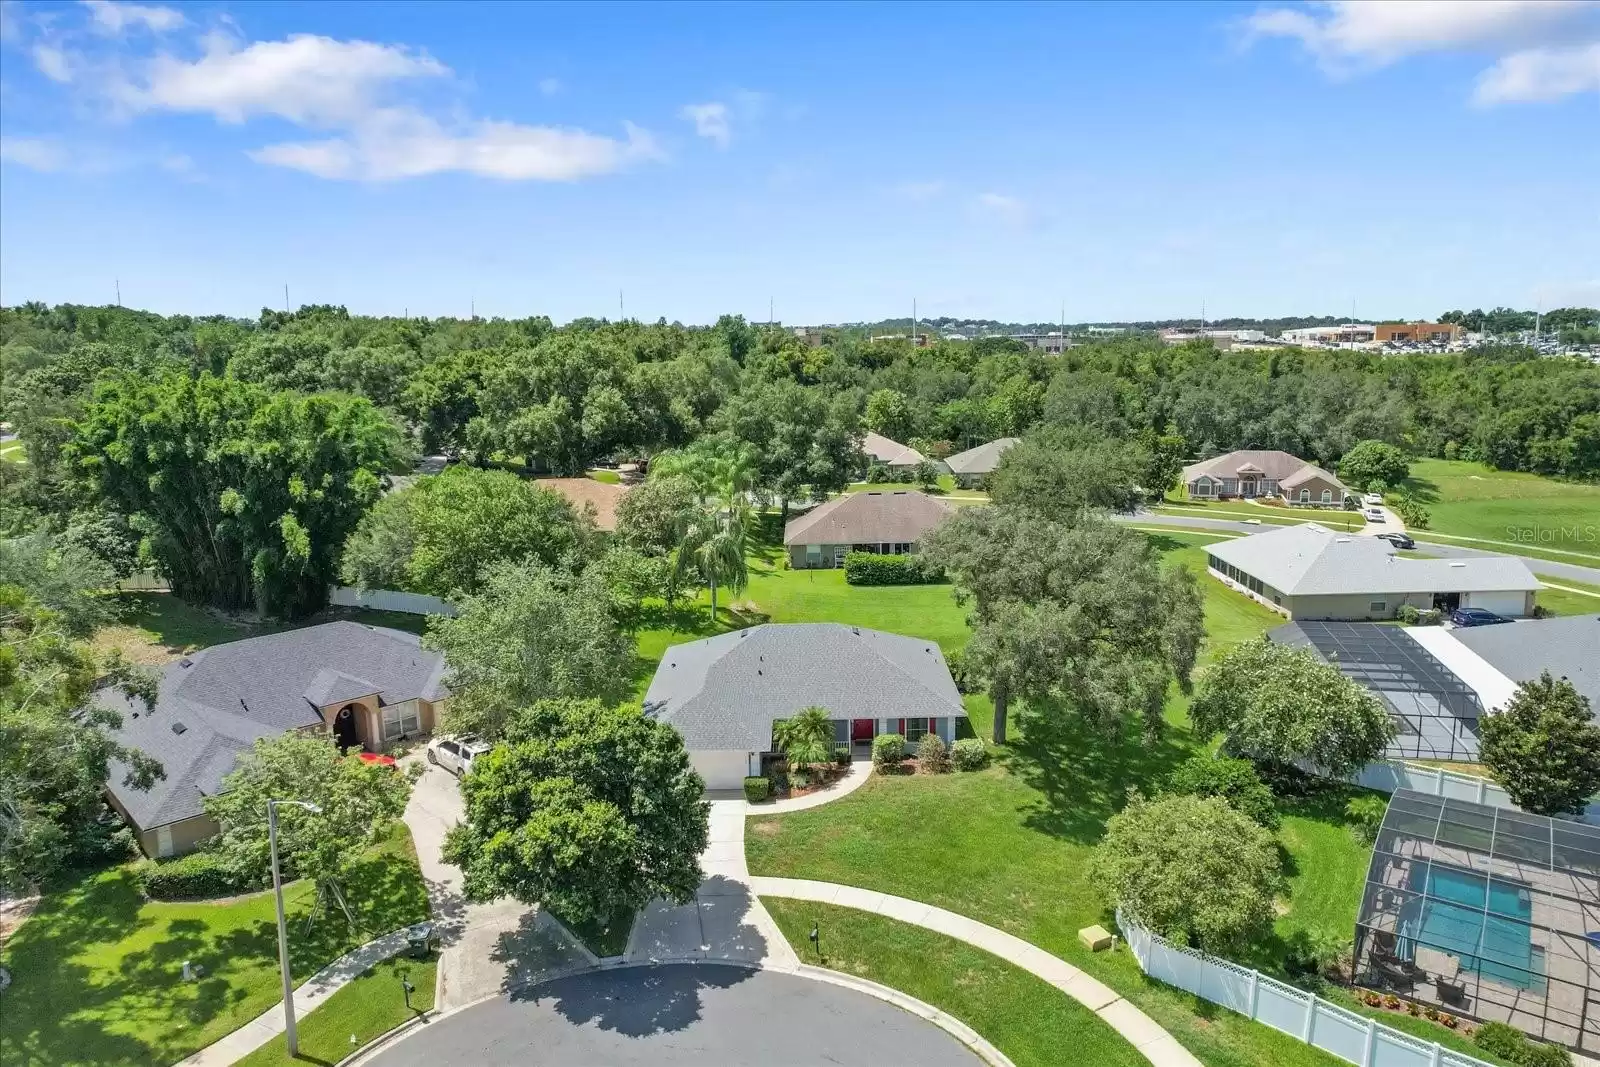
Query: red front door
(861, 729)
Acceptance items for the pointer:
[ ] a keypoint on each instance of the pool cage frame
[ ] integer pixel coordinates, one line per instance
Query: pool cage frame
(1436, 712)
(1487, 913)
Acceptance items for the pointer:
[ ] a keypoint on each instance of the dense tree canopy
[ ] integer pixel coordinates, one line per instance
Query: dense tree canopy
(1374, 464)
(246, 495)
(588, 810)
(1544, 747)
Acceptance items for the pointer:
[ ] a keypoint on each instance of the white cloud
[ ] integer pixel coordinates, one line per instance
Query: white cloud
(307, 79)
(1010, 210)
(550, 86)
(1539, 74)
(1540, 43)
(52, 62)
(113, 18)
(35, 153)
(403, 143)
(711, 121)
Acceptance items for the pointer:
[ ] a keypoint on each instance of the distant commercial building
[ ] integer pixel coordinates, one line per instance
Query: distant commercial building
(1104, 331)
(1051, 344)
(1350, 333)
(1418, 333)
(1223, 339)
(811, 336)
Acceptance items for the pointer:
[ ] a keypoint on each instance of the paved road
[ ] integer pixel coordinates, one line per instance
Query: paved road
(1538, 566)
(680, 1014)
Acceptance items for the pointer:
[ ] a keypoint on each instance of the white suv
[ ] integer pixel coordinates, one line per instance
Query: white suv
(456, 754)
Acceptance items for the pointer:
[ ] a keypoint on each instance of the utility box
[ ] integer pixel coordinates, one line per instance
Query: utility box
(1095, 938)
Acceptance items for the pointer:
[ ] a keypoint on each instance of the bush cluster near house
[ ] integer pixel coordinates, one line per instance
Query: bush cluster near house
(969, 754)
(1511, 1044)
(1234, 780)
(888, 751)
(197, 876)
(871, 568)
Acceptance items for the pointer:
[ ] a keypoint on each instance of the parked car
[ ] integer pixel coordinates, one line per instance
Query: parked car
(1398, 540)
(1373, 515)
(1476, 617)
(1372, 498)
(456, 754)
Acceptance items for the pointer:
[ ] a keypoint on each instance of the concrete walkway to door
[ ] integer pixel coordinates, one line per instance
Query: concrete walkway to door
(1141, 1031)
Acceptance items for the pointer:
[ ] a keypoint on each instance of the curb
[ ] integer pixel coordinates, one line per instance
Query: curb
(904, 1001)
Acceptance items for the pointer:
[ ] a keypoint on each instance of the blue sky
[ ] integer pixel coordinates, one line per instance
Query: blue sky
(1134, 161)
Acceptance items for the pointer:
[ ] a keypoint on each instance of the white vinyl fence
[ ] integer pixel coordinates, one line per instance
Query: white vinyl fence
(1390, 775)
(346, 596)
(1345, 1034)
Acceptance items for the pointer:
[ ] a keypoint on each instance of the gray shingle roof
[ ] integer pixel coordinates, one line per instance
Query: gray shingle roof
(980, 460)
(1568, 646)
(723, 693)
(889, 451)
(227, 696)
(865, 518)
(1311, 560)
(1281, 467)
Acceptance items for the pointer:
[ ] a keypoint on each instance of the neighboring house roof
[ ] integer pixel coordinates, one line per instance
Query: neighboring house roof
(1566, 647)
(723, 693)
(1281, 467)
(605, 496)
(227, 696)
(889, 452)
(1312, 560)
(903, 515)
(980, 460)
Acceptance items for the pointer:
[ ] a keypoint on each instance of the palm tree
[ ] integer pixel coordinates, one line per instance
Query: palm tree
(805, 739)
(712, 547)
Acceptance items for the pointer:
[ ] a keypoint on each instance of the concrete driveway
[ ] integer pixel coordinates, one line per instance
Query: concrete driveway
(680, 1014)
(485, 949)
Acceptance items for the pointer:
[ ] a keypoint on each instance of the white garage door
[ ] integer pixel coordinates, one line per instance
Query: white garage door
(721, 770)
(1499, 603)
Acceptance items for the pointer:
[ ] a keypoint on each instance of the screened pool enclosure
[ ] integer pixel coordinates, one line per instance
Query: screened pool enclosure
(1487, 913)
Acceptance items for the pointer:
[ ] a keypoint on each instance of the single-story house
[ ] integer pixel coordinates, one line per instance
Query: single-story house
(365, 687)
(1251, 473)
(975, 464)
(889, 523)
(880, 449)
(586, 493)
(724, 693)
(1311, 572)
(1568, 647)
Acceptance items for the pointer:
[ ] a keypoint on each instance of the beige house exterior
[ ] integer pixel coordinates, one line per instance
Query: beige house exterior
(1251, 473)
(886, 523)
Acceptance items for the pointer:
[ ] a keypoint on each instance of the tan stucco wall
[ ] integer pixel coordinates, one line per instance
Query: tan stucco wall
(1315, 486)
(187, 835)
(1355, 605)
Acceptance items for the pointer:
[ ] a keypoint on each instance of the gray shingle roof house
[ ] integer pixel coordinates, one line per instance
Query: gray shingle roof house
(892, 523)
(1566, 647)
(889, 452)
(1263, 472)
(1309, 571)
(365, 686)
(975, 464)
(724, 693)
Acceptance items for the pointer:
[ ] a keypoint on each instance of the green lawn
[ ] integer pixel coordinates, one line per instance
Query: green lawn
(1028, 1019)
(1567, 602)
(370, 1006)
(1527, 510)
(97, 970)
(14, 452)
(600, 474)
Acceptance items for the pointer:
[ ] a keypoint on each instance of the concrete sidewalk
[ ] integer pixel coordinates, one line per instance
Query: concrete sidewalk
(1147, 1036)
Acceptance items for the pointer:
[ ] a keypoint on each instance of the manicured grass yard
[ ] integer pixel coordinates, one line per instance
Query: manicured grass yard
(1565, 601)
(1029, 1020)
(97, 970)
(370, 1006)
(1472, 500)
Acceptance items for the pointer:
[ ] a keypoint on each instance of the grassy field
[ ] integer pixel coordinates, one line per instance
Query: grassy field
(1578, 598)
(1028, 1019)
(13, 452)
(370, 1006)
(1526, 510)
(97, 970)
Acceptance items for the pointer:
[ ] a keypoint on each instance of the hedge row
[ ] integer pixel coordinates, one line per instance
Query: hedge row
(193, 877)
(869, 568)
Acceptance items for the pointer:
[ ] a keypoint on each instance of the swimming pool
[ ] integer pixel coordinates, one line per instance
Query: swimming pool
(1496, 943)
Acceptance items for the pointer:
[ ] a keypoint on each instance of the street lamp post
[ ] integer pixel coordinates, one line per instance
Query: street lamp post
(290, 1037)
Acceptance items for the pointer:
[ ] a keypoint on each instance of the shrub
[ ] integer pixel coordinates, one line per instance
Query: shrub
(193, 877)
(1541, 1055)
(757, 789)
(932, 755)
(1430, 617)
(841, 755)
(1365, 815)
(956, 662)
(969, 754)
(870, 568)
(1408, 614)
(887, 751)
(1500, 1039)
(1542, 612)
(877, 473)
(1234, 780)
